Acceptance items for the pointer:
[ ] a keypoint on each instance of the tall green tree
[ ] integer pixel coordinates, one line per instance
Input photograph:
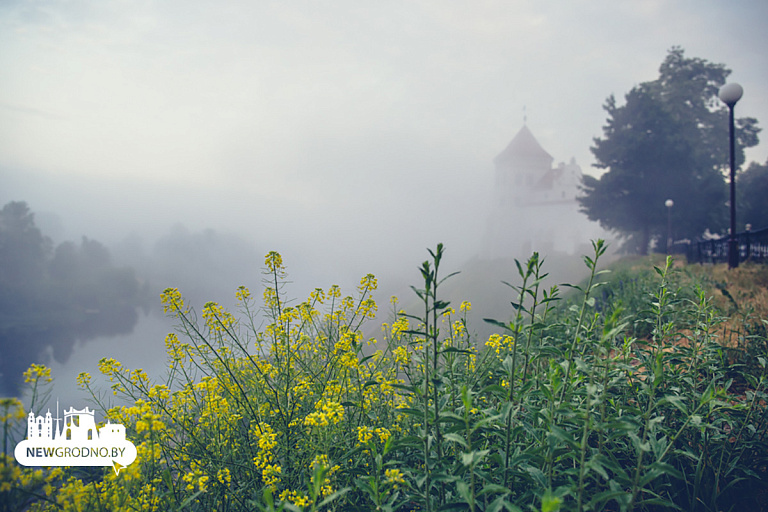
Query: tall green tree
(669, 140)
(752, 197)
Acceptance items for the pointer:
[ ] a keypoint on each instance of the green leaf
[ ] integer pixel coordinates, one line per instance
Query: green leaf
(639, 445)
(493, 489)
(447, 277)
(676, 401)
(536, 474)
(564, 436)
(411, 411)
(472, 458)
(596, 464)
(497, 323)
(463, 488)
(415, 333)
(451, 350)
(456, 438)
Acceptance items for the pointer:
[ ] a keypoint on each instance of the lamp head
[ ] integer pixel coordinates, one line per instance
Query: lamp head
(730, 94)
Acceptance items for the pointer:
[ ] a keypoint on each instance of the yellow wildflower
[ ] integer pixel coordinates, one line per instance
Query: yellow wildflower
(364, 434)
(368, 284)
(394, 476)
(383, 434)
(274, 262)
(37, 372)
(224, 476)
(243, 293)
(172, 301)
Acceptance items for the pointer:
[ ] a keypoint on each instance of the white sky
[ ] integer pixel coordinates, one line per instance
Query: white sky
(352, 130)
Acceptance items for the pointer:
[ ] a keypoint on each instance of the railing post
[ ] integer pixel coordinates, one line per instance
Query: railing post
(748, 243)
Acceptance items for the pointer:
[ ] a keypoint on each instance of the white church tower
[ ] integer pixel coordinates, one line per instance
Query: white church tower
(534, 203)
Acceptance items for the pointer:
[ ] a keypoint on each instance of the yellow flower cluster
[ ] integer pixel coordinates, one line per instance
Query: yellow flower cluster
(274, 262)
(139, 378)
(266, 442)
(224, 476)
(394, 476)
(84, 379)
(36, 373)
(288, 315)
(317, 296)
(195, 479)
(270, 298)
(217, 319)
(174, 348)
(327, 413)
(365, 434)
(397, 328)
(383, 433)
(321, 460)
(270, 475)
(109, 366)
(297, 498)
(142, 416)
(368, 308)
(172, 301)
(459, 329)
(243, 293)
(500, 344)
(401, 355)
(368, 284)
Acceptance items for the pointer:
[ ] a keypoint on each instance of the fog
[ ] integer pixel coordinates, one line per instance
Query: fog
(190, 138)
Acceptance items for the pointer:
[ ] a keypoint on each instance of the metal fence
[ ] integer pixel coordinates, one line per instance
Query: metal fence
(753, 246)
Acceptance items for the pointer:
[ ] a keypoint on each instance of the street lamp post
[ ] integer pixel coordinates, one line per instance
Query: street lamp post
(669, 204)
(730, 94)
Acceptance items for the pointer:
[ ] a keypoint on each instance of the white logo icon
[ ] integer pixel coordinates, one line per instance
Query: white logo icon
(77, 443)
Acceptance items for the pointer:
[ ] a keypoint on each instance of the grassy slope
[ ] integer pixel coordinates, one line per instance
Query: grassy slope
(740, 295)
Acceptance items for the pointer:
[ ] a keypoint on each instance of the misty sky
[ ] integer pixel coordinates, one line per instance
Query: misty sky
(352, 134)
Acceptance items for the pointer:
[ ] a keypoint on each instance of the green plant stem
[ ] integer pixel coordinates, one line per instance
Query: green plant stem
(513, 373)
(641, 452)
(435, 365)
(537, 281)
(583, 457)
(592, 264)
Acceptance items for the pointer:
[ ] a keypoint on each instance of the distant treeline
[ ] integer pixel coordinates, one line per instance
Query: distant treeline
(54, 295)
